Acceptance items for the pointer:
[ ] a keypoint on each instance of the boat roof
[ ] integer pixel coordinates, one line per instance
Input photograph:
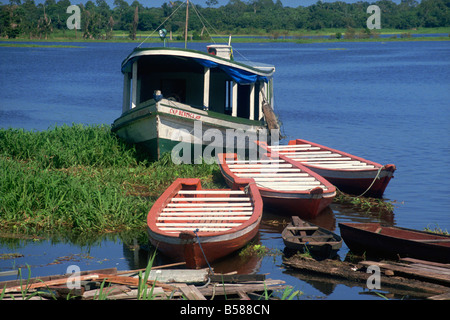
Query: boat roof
(243, 73)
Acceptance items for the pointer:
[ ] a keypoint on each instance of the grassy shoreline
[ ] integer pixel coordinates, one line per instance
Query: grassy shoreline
(328, 35)
(81, 180)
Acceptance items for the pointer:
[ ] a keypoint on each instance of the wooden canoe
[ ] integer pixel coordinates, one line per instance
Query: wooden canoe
(347, 172)
(199, 226)
(394, 242)
(285, 185)
(303, 236)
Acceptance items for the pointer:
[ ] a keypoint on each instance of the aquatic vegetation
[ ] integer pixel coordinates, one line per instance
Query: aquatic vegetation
(365, 204)
(437, 230)
(81, 180)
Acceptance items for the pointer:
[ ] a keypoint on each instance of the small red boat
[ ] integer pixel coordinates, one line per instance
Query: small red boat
(347, 172)
(285, 185)
(377, 239)
(199, 226)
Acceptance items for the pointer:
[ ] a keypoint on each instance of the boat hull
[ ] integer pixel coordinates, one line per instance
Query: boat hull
(306, 204)
(159, 127)
(349, 173)
(213, 248)
(306, 207)
(393, 242)
(197, 226)
(358, 182)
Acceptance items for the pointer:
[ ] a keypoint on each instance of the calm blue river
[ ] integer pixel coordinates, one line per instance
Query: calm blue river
(384, 101)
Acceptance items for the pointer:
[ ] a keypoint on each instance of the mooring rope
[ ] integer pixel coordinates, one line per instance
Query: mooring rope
(200, 245)
(376, 177)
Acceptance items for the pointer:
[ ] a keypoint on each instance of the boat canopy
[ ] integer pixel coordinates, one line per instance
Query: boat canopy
(243, 74)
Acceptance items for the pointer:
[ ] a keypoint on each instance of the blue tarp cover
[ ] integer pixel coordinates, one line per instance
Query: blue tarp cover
(240, 76)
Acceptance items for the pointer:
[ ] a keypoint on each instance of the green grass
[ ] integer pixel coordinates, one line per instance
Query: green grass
(81, 180)
(273, 36)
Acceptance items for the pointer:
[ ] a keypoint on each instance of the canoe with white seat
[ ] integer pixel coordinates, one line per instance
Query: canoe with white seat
(347, 172)
(195, 225)
(285, 185)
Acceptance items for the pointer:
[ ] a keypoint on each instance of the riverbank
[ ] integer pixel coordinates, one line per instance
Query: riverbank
(302, 36)
(84, 180)
(81, 180)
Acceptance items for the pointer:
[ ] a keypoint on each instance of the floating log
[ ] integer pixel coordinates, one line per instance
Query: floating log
(357, 273)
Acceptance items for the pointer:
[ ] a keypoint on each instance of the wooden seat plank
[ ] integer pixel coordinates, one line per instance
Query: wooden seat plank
(211, 199)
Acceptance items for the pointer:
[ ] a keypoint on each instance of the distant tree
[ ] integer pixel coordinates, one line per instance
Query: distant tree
(212, 3)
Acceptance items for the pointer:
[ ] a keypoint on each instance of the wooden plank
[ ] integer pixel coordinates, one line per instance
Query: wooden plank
(302, 228)
(444, 296)
(261, 165)
(337, 162)
(191, 292)
(255, 161)
(237, 278)
(278, 175)
(108, 291)
(243, 296)
(212, 199)
(176, 229)
(292, 188)
(12, 283)
(224, 191)
(9, 273)
(207, 206)
(328, 153)
(411, 272)
(266, 170)
(297, 147)
(180, 275)
(286, 178)
(308, 160)
(179, 224)
(432, 263)
(47, 283)
(288, 183)
(203, 218)
(203, 214)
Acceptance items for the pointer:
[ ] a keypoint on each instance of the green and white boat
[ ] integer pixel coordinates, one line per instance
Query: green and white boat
(173, 95)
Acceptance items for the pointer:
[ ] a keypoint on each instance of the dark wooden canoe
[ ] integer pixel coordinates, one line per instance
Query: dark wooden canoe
(394, 242)
(302, 236)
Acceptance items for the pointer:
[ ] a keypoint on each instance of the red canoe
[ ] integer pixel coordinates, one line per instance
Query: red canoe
(374, 238)
(199, 226)
(285, 185)
(349, 173)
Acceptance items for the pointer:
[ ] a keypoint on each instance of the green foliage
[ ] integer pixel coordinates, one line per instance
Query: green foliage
(81, 180)
(98, 20)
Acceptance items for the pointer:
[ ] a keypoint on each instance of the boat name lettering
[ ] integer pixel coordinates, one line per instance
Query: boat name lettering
(185, 114)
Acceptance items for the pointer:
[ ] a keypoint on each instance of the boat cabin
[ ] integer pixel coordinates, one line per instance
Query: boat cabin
(210, 80)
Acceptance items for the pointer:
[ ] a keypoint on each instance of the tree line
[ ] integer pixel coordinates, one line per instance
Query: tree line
(25, 18)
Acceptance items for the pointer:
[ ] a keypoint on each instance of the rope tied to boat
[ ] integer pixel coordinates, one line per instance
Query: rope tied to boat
(376, 177)
(204, 255)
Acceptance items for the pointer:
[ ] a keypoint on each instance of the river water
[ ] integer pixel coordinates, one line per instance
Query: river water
(384, 101)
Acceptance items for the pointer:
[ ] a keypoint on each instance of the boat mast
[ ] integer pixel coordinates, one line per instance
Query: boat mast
(186, 27)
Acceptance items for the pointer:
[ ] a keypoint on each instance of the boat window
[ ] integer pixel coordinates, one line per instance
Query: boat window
(174, 89)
